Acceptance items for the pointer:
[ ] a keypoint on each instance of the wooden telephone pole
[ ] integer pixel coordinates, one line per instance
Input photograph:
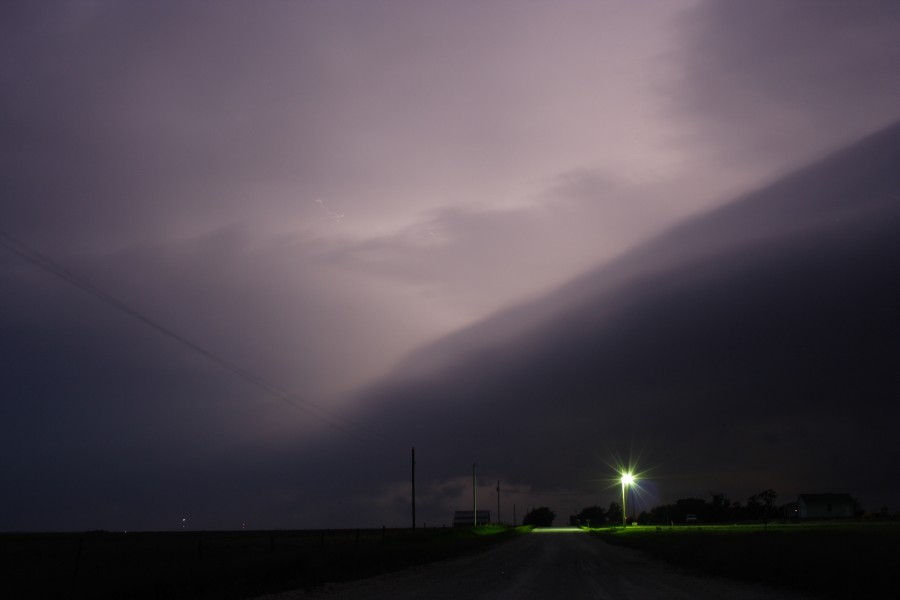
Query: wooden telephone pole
(474, 498)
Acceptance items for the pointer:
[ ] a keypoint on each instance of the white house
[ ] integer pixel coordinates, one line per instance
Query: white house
(825, 506)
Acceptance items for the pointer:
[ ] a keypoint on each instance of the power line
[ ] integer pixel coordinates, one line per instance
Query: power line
(530, 493)
(331, 418)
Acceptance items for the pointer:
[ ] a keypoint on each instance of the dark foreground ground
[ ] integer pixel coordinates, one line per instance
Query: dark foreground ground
(775, 562)
(566, 564)
(830, 559)
(216, 564)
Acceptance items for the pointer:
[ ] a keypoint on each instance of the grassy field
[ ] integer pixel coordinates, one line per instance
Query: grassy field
(833, 560)
(217, 564)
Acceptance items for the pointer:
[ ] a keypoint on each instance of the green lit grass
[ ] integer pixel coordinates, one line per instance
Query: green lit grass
(496, 529)
(830, 559)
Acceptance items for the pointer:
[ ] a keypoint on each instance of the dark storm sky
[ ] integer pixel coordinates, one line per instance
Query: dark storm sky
(535, 236)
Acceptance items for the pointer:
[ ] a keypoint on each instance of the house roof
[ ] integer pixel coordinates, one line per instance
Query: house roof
(825, 498)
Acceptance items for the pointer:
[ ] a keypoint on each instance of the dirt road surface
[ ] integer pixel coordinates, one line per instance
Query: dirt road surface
(547, 563)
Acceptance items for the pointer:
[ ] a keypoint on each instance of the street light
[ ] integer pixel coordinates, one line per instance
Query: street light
(627, 479)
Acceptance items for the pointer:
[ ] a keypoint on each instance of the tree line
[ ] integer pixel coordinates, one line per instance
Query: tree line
(718, 509)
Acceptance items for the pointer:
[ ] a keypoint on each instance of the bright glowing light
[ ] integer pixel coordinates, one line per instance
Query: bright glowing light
(627, 475)
(627, 479)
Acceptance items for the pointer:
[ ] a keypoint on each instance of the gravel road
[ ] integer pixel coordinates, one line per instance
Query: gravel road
(549, 563)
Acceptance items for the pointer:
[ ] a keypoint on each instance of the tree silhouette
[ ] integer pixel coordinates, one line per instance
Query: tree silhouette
(539, 517)
(614, 513)
(590, 516)
(761, 504)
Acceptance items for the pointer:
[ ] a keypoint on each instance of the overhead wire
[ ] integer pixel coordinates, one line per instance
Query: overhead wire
(321, 413)
(530, 493)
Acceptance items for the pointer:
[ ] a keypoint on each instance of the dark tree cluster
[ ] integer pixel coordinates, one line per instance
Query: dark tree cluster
(594, 516)
(719, 509)
(539, 517)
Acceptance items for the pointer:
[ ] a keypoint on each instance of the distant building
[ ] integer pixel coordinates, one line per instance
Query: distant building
(463, 518)
(825, 506)
(790, 510)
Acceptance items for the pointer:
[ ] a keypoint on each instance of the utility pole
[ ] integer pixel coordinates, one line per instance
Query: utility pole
(515, 517)
(498, 502)
(474, 498)
(632, 504)
(414, 487)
